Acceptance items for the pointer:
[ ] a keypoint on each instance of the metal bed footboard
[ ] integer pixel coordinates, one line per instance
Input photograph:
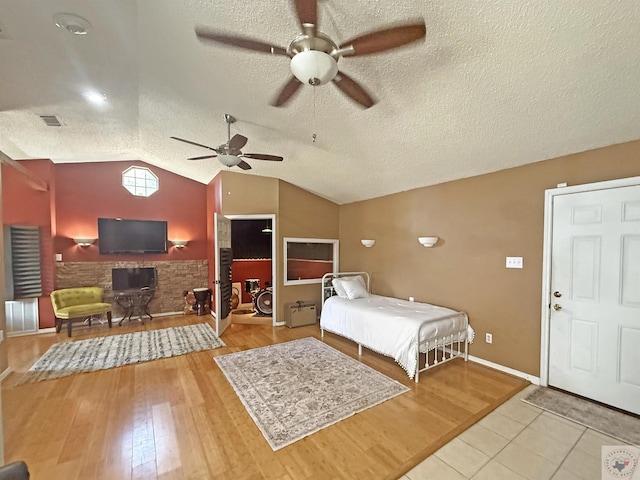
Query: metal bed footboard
(447, 347)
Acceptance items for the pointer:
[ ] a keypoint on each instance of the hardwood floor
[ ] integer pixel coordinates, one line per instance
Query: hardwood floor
(179, 418)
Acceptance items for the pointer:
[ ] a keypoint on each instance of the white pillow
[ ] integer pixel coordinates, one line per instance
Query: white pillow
(354, 287)
(337, 286)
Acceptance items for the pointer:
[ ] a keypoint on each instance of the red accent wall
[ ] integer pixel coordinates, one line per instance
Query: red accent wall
(80, 193)
(241, 270)
(23, 205)
(87, 191)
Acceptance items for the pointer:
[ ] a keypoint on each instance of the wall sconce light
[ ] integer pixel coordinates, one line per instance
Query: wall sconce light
(84, 242)
(428, 241)
(368, 243)
(179, 243)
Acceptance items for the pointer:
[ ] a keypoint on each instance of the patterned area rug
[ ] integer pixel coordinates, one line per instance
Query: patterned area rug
(68, 358)
(593, 415)
(296, 388)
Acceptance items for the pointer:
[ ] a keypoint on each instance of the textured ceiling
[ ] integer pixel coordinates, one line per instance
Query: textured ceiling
(495, 84)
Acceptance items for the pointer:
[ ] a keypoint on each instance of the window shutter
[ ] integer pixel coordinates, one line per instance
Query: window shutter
(25, 259)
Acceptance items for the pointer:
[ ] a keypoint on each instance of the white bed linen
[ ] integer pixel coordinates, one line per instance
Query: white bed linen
(390, 326)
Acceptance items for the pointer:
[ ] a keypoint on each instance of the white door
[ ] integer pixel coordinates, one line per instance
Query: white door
(222, 245)
(594, 322)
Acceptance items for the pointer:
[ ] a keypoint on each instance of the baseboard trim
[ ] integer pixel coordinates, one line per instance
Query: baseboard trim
(23, 334)
(167, 314)
(516, 373)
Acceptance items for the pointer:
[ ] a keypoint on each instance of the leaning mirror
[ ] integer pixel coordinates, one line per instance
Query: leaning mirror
(306, 260)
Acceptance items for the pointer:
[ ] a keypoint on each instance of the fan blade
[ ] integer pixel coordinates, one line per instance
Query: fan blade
(194, 143)
(262, 156)
(307, 11)
(202, 158)
(207, 35)
(352, 89)
(237, 142)
(244, 165)
(287, 92)
(387, 39)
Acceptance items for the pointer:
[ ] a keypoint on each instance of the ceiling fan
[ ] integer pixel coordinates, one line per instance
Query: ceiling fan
(314, 56)
(229, 153)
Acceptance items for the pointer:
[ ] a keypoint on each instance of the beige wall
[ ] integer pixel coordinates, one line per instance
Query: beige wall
(245, 194)
(231, 193)
(298, 214)
(480, 221)
(305, 215)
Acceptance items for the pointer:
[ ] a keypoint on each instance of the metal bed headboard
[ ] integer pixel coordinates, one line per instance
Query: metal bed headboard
(327, 285)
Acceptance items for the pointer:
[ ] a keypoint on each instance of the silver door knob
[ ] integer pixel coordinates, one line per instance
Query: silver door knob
(557, 294)
(557, 307)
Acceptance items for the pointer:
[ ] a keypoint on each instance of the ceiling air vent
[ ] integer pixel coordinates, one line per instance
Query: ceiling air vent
(51, 120)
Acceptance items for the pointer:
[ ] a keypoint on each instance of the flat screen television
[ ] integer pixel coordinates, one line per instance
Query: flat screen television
(121, 236)
(133, 278)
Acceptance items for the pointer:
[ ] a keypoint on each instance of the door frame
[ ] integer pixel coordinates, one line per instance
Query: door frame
(274, 263)
(549, 196)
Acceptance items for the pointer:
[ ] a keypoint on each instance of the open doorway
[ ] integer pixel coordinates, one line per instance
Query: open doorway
(253, 269)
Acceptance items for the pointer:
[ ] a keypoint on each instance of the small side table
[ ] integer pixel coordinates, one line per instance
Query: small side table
(134, 302)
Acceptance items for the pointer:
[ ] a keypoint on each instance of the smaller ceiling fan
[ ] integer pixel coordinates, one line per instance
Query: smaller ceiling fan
(229, 153)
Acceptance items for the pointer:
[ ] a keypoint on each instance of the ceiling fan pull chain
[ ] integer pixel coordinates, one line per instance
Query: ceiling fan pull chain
(314, 117)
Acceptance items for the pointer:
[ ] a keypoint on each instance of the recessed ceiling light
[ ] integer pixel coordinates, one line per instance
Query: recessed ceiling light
(72, 23)
(95, 97)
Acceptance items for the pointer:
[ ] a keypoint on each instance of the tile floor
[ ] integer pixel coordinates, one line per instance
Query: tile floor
(518, 441)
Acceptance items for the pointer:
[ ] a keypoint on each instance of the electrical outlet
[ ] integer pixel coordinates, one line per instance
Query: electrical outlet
(1, 335)
(411, 299)
(514, 262)
(488, 338)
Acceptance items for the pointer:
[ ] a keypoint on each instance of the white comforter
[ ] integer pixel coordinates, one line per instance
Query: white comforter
(390, 326)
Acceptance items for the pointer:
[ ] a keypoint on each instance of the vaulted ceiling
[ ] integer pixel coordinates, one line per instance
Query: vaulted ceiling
(494, 84)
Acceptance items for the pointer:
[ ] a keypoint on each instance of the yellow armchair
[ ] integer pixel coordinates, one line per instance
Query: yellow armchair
(78, 303)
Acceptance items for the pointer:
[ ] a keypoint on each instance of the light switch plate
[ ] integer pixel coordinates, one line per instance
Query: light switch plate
(514, 262)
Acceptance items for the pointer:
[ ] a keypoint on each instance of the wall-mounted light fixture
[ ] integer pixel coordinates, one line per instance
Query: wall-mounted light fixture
(84, 242)
(368, 242)
(428, 241)
(179, 243)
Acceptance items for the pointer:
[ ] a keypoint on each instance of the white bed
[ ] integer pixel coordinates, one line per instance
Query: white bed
(396, 328)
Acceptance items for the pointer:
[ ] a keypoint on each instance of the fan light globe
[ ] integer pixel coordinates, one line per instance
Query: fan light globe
(313, 67)
(229, 160)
